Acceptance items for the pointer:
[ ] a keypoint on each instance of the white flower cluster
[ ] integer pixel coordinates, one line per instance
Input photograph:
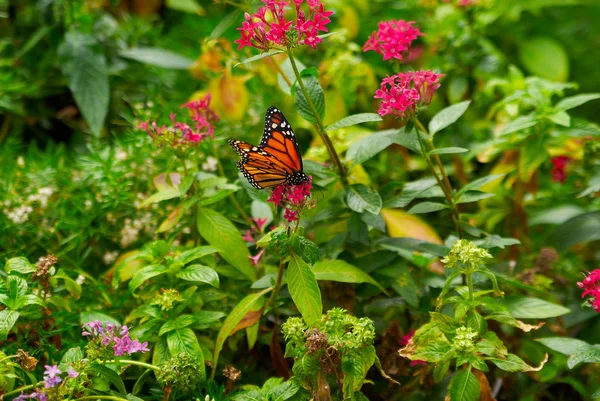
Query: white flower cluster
(18, 215)
(110, 257)
(131, 229)
(210, 164)
(42, 196)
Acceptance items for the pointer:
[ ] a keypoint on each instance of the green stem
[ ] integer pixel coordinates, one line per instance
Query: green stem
(278, 285)
(101, 397)
(320, 127)
(469, 275)
(444, 182)
(24, 388)
(137, 363)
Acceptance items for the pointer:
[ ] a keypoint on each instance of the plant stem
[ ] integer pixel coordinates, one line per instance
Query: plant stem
(320, 127)
(446, 190)
(469, 275)
(24, 388)
(278, 68)
(137, 363)
(277, 287)
(101, 397)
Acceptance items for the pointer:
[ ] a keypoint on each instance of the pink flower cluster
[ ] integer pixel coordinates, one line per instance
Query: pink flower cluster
(559, 164)
(257, 228)
(180, 134)
(294, 198)
(393, 39)
(403, 93)
(591, 287)
(405, 340)
(268, 27)
(115, 336)
(52, 379)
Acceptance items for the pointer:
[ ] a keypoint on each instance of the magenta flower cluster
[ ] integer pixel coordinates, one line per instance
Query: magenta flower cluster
(393, 39)
(268, 27)
(203, 124)
(294, 198)
(114, 336)
(402, 94)
(256, 229)
(591, 288)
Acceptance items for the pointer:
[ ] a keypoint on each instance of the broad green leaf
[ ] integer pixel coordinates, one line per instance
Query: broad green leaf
(225, 23)
(88, 317)
(85, 70)
(70, 284)
(513, 363)
(427, 207)
(219, 232)
(447, 116)
(187, 6)
(464, 387)
(432, 352)
(571, 102)
(28, 299)
(370, 145)
(164, 194)
(578, 230)
(342, 272)
(144, 274)
(410, 191)
(403, 282)
(519, 124)
(315, 94)
(560, 118)
(259, 57)
(361, 198)
(160, 353)
(72, 355)
(448, 151)
(196, 253)
(283, 391)
(8, 318)
(533, 155)
(234, 317)
(304, 289)
(545, 57)
(473, 196)
(157, 57)
(109, 374)
(587, 354)
(200, 274)
(533, 308)
(171, 220)
(205, 318)
(183, 340)
(19, 265)
(555, 215)
(353, 120)
(564, 345)
(478, 183)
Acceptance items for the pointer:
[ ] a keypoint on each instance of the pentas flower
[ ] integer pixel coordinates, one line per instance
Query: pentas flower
(559, 164)
(393, 39)
(268, 28)
(591, 287)
(33, 396)
(113, 337)
(52, 376)
(402, 94)
(294, 198)
(181, 134)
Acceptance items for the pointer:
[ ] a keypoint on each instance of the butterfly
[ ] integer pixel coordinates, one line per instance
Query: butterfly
(276, 160)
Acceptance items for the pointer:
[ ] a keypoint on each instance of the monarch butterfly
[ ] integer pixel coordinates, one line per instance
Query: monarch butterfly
(276, 160)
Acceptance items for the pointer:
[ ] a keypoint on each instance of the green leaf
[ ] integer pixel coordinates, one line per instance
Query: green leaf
(427, 207)
(588, 354)
(519, 124)
(571, 102)
(545, 57)
(196, 253)
(315, 94)
(464, 387)
(308, 250)
(361, 198)
(8, 318)
(71, 285)
(564, 345)
(258, 57)
(19, 265)
(160, 353)
(157, 57)
(367, 147)
(144, 274)
(225, 23)
(434, 351)
(183, 340)
(560, 118)
(234, 317)
(72, 355)
(448, 151)
(513, 363)
(353, 120)
(200, 274)
(478, 183)
(410, 191)
(164, 194)
(447, 116)
(342, 272)
(109, 374)
(88, 317)
(578, 230)
(533, 308)
(187, 6)
(283, 391)
(219, 232)
(473, 196)
(304, 289)
(85, 70)
(403, 282)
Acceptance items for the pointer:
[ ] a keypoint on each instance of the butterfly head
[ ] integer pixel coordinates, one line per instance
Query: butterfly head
(297, 178)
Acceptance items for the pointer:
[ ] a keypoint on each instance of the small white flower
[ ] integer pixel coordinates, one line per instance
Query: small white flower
(110, 257)
(88, 204)
(19, 215)
(80, 279)
(210, 164)
(121, 155)
(20, 161)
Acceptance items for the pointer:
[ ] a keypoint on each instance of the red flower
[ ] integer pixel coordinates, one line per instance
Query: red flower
(591, 287)
(294, 198)
(393, 39)
(558, 170)
(401, 94)
(264, 32)
(404, 342)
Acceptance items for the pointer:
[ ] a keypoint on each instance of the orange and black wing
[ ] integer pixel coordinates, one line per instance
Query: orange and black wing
(261, 169)
(279, 140)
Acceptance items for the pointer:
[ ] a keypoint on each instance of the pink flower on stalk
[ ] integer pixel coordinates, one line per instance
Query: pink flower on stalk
(294, 198)
(403, 93)
(404, 342)
(256, 258)
(260, 222)
(393, 39)
(591, 287)
(559, 165)
(248, 236)
(268, 28)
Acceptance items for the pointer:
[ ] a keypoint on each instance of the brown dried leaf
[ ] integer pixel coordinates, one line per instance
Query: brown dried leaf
(250, 319)
(484, 386)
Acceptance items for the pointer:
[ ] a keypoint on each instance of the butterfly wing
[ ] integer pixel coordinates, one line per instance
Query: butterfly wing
(261, 169)
(279, 140)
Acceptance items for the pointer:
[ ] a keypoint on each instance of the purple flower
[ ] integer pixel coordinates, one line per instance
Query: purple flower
(34, 395)
(94, 328)
(23, 397)
(52, 381)
(124, 331)
(52, 371)
(72, 373)
(121, 345)
(105, 339)
(40, 396)
(136, 346)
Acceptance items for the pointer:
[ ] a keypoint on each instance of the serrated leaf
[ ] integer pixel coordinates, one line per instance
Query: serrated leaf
(361, 198)
(8, 318)
(219, 232)
(571, 102)
(342, 272)
(315, 94)
(464, 387)
(427, 207)
(157, 57)
(353, 120)
(448, 151)
(447, 116)
(200, 274)
(304, 289)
